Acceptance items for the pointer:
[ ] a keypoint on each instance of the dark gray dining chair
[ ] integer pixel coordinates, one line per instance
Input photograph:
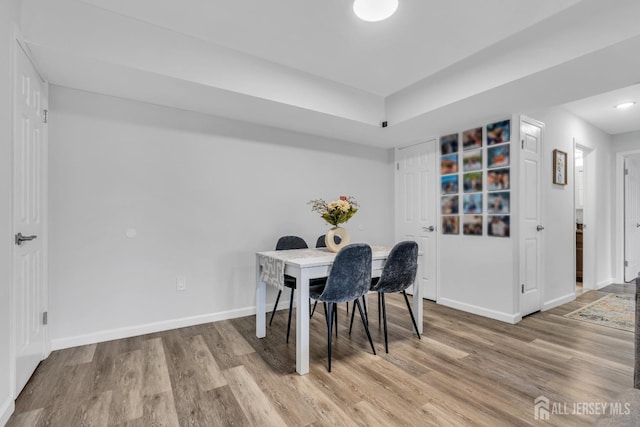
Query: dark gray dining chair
(399, 272)
(320, 243)
(349, 279)
(285, 243)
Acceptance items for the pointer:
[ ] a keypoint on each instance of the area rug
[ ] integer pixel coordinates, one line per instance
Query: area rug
(614, 310)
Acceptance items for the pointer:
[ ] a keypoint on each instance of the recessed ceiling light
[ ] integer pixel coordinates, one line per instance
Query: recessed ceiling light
(374, 10)
(625, 105)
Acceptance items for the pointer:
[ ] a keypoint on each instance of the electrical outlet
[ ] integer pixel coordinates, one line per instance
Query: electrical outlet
(181, 283)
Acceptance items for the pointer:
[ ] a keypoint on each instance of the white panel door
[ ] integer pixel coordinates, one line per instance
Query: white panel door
(632, 219)
(416, 168)
(531, 222)
(29, 198)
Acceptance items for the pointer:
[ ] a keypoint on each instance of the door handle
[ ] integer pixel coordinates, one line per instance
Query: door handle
(431, 228)
(539, 228)
(20, 238)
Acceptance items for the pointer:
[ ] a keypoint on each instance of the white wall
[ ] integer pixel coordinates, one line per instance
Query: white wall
(629, 141)
(487, 284)
(203, 193)
(561, 129)
(478, 274)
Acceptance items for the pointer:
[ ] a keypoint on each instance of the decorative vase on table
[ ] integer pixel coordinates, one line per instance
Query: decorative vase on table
(335, 213)
(336, 239)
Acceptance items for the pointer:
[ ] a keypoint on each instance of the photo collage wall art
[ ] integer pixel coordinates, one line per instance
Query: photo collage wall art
(474, 181)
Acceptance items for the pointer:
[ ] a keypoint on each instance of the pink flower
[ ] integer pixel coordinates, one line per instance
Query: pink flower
(343, 197)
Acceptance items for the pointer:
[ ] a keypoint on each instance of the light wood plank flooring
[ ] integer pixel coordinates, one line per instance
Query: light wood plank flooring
(466, 370)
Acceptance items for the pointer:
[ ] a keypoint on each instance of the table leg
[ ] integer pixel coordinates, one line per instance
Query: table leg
(302, 323)
(261, 296)
(417, 304)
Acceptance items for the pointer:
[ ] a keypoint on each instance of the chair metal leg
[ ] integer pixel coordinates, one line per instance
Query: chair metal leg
(275, 307)
(384, 320)
(413, 319)
(353, 312)
(290, 311)
(335, 315)
(364, 305)
(379, 310)
(365, 323)
(315, 303)
(329, 325)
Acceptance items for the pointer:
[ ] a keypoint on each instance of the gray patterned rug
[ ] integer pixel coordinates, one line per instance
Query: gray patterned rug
(614, 310)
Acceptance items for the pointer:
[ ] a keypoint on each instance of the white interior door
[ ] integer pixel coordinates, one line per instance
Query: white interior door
(416, 177)
(531, 221)
(632, 218)
(29, 217)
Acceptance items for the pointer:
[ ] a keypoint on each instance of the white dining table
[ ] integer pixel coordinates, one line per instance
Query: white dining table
(306, 264)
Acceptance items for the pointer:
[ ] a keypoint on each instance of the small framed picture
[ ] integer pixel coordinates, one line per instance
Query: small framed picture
(449, 205)
(450, 225)
(498, 203)
(472, 225)
(498, 132)
(472, 203)
(472, 182)
(449, 184)
(449, 144)
(498, 225)
(472, 138)
(472, 160)
(498, 179)
(559, 167)
(448, 164)
(498, 156)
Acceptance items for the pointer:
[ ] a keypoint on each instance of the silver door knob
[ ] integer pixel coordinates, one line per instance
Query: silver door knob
(20, 238)
(431, 228)
(539, 228)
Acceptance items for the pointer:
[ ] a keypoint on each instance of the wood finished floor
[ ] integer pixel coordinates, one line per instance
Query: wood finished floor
(466, 370)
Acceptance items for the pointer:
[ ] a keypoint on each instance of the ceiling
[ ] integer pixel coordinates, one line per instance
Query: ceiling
(313, 67)
(600, 110)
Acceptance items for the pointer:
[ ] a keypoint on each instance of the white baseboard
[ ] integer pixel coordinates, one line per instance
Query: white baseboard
(131, 331)
(481, 311)
(558, 301)
(6, 410)
(604, 283)
(149, 328)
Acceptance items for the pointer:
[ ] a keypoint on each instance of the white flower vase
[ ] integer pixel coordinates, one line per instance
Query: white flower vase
(330, 239)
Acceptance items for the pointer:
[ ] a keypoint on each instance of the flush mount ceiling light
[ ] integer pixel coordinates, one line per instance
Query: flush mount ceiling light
(374, 10)
(625, 105)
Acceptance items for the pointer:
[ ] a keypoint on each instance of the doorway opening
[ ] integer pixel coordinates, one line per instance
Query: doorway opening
(585, 216)
(579, 215)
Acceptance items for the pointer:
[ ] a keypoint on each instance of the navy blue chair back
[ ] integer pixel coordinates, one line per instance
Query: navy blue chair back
(350, 275)
(291, 242)
(400, 269)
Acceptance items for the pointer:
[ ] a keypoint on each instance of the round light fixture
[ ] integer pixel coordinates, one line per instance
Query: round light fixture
(625, 105)
(374, 10)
